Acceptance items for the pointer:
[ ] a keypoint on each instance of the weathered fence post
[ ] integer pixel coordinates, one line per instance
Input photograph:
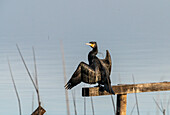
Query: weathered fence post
(39, 111)
(121, 104)
(122, 90)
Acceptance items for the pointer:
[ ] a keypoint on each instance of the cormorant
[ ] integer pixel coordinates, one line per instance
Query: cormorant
(97, 71)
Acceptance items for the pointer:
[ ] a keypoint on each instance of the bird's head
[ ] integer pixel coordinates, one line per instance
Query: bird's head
(92, 44)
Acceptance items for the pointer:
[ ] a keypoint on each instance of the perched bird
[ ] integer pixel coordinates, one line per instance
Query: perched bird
(97, 71)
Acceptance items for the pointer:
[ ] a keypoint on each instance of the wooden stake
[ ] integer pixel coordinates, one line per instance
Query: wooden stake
(127, 88)
(121, 104)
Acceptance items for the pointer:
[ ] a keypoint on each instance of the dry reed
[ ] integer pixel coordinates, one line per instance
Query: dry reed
(34, 84)
(136, 96)
(19, 102)
(65, 78)
(74, 102)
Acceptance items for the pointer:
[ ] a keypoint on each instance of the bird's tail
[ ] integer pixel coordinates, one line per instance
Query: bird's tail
(108, 57)
(108, 61)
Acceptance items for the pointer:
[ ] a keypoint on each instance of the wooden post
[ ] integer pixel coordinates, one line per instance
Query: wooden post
(121, 104)
(36, 112)
(124, 89)
(127, 88)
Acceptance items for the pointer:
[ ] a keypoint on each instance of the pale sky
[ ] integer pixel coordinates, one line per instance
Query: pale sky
(135, 32)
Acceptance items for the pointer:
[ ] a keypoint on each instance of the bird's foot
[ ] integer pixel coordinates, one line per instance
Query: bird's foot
(101, 88)
(99, 85)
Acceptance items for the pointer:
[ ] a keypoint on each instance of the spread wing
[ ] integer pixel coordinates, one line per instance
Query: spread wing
(84, 73)
(107, 62)
(106, 65)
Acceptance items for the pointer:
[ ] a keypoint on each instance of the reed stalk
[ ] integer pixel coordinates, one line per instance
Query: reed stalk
(84, 105)
(74, 102)
(32, 101)
(161, 109)
(65, 78)
(19, 102)
(36, 80)
(29, 74)
(136, 96)
(133, 109)
(92, 105)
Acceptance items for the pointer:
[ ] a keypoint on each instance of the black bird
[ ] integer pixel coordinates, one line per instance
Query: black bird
(97, 71)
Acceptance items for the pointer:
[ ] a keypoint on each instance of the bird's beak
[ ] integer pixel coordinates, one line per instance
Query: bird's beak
(89, 44)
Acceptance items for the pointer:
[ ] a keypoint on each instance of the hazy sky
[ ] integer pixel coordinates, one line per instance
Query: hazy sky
(135, 32)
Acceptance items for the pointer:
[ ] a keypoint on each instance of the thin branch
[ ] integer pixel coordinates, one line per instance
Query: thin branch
(157, 98)
(162, 106)
(111, 96)
(19, 103)
(113, 104)
(35, 68)
(157, 105)
(36, 80)
(74, 102)
(133, 109)
(65, 78)
(37, 91)
(84, 104)
(168, 105)
(33, 102)
(27, 68)
(136, 96)
(92, 105)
